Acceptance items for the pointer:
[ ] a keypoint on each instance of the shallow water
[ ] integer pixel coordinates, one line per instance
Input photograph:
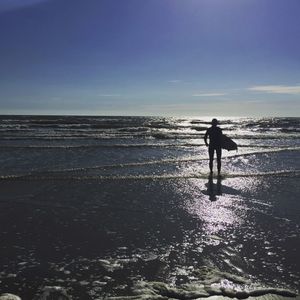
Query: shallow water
(130, 202)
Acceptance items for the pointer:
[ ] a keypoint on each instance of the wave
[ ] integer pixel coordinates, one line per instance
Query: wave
(141, 145)
(156, 122)
(277, 150)
(282, 173)
(176, 160)
(73, 137)
(274, 136)
(208, 282)
(131, 134)
(202, 290)
(146, 163)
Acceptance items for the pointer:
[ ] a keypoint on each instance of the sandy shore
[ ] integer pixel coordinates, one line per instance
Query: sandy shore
(105, 238)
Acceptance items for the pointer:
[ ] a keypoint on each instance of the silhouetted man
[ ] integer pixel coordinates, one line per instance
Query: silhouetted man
(215, 138)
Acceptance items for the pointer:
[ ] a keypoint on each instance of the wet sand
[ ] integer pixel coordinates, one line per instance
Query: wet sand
(100, 239)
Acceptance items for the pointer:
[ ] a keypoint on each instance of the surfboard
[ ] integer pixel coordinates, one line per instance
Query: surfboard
(228, 143)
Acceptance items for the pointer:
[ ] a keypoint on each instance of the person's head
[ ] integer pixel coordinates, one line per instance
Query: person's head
(214, 122)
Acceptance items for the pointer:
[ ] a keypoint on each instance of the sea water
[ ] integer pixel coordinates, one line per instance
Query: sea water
(124, 208)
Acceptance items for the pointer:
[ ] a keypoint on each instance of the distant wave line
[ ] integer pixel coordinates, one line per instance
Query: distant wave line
(146, 135)
(144, 145)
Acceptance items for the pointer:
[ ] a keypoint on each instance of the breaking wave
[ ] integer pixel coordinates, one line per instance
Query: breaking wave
(140, 145)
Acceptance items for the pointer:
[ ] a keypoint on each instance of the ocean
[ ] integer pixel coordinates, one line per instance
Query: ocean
(124, 208)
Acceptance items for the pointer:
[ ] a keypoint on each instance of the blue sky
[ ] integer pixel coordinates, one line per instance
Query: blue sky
(150, 57)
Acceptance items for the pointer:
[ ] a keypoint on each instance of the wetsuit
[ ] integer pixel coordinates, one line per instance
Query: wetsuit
(215, 138)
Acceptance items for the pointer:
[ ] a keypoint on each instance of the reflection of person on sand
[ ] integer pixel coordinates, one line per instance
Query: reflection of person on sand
(214, 190)
(215, 138)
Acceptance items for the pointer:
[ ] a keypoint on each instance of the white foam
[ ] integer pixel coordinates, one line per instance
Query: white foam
(159, 290)
(8, 296)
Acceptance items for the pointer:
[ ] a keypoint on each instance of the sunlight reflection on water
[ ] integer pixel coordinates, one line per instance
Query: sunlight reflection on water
(218, 204)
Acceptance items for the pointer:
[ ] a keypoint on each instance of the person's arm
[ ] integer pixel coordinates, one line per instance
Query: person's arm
(205, 137)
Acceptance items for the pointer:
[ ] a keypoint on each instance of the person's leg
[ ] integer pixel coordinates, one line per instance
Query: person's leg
(219, 156)
(211, 151)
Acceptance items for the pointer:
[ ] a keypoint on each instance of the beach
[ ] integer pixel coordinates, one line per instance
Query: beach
(125, 208)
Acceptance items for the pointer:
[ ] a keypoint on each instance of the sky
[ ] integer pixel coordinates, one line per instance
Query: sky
(150, 57)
